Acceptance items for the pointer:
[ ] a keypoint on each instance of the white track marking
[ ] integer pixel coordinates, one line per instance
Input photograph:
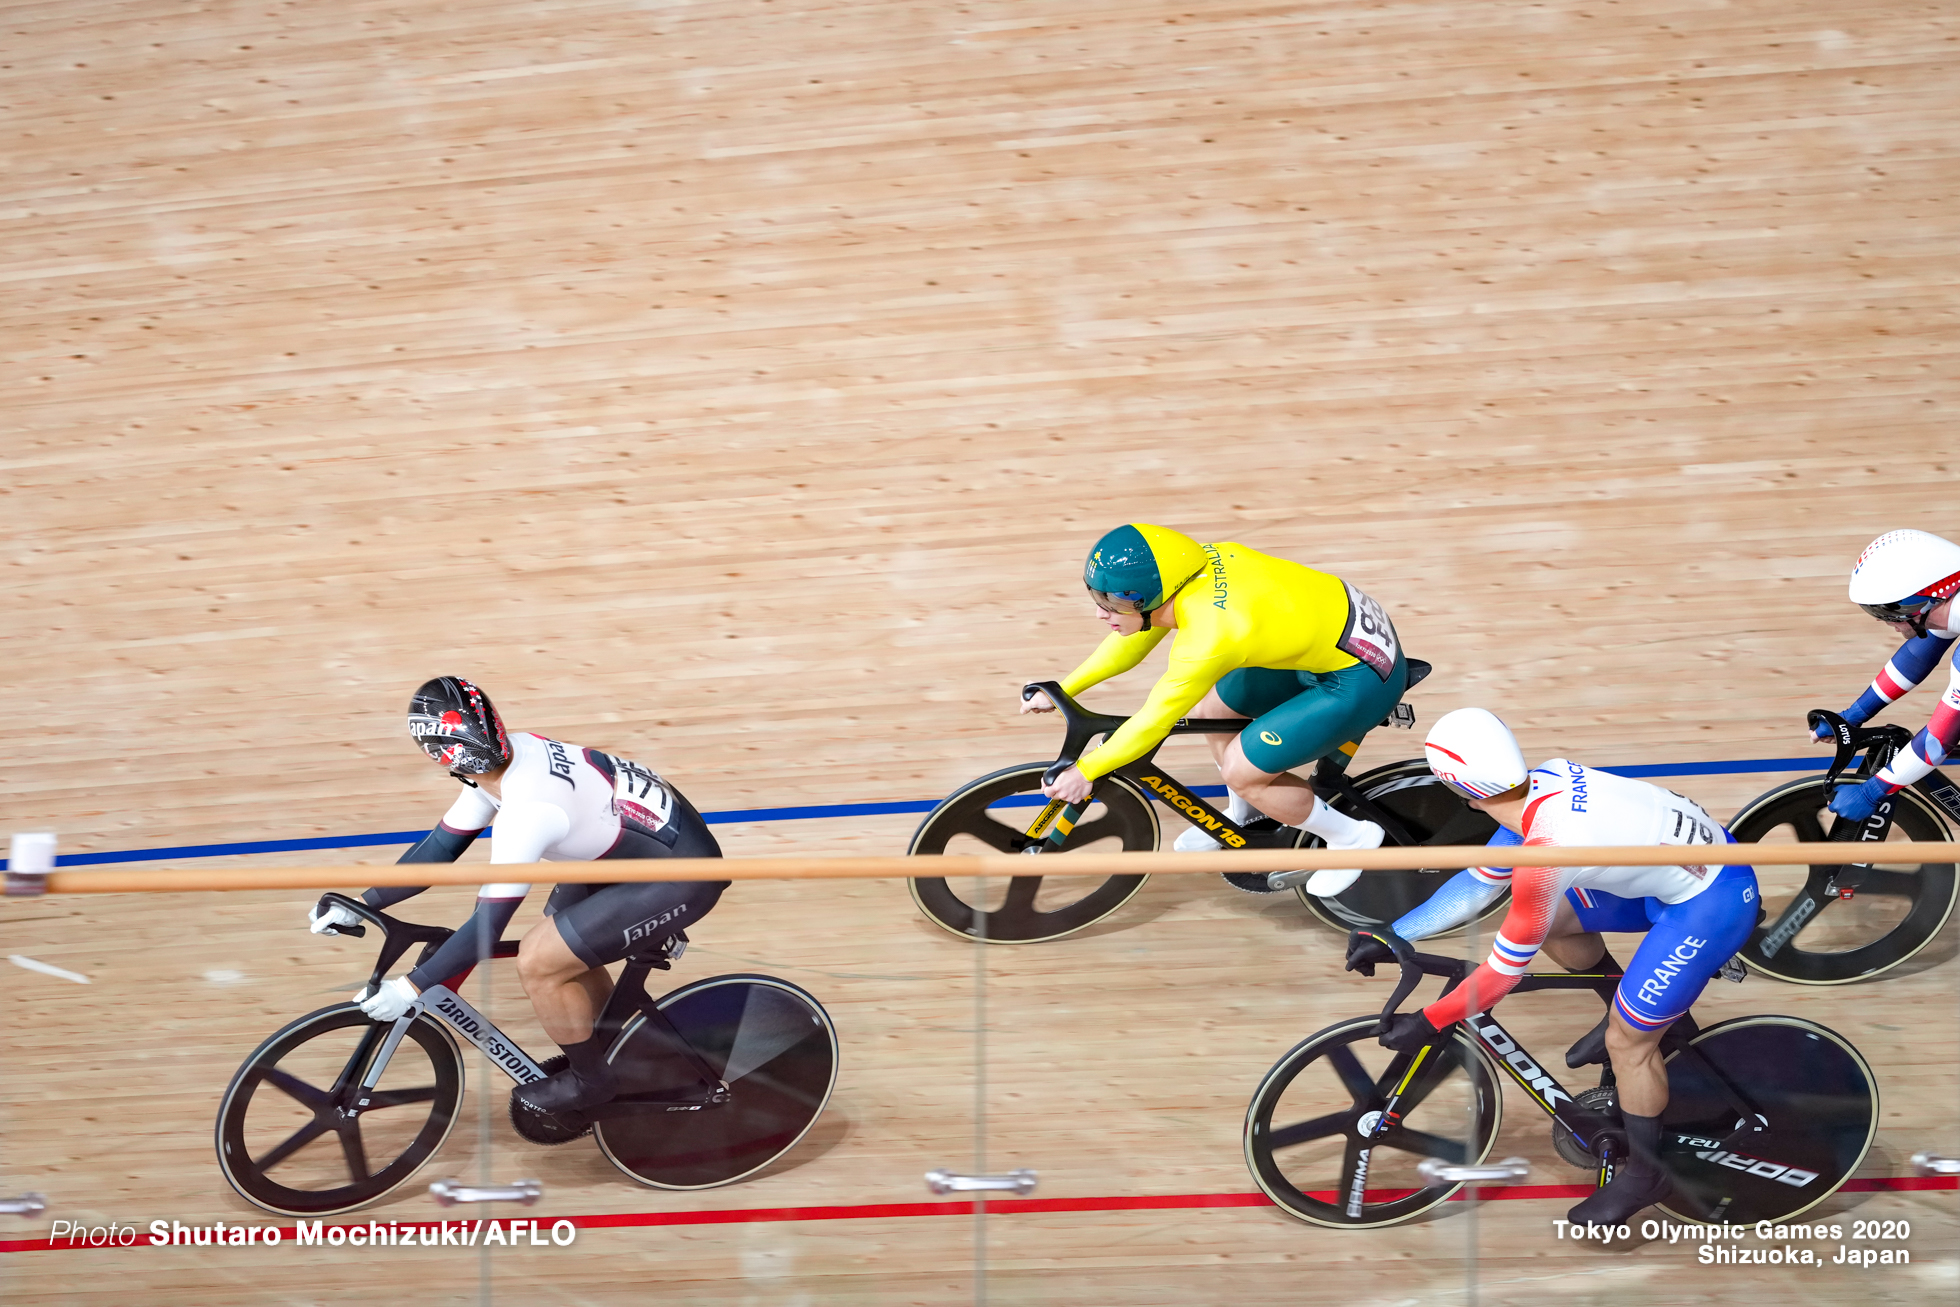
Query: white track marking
(46, 969)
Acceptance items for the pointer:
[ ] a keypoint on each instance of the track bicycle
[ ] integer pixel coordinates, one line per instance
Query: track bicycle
(1404, 798)
(1767, 1116)
(1849, 921)
(718, 1078)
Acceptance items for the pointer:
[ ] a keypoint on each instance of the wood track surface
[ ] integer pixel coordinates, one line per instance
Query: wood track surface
(737, 384)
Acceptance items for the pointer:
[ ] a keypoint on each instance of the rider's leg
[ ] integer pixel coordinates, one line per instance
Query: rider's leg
(1638, 1068)
(567, 969)
(1686, 947)
(590, 926)
(1641, 1076)
(1195, 840)
(567, 994)
(1298, 718)
(1569, 943)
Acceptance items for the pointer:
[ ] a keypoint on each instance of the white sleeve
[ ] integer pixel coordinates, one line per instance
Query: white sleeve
(472, 811)
(525, 830)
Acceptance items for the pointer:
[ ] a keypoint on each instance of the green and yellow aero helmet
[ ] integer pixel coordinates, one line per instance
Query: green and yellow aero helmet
(1137, 567)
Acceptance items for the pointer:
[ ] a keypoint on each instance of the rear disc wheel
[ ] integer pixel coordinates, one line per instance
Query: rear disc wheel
(774, 1046)
(1819, 1102)
(1431, 813)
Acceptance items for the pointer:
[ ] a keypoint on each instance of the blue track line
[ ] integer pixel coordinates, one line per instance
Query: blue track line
(811, 812)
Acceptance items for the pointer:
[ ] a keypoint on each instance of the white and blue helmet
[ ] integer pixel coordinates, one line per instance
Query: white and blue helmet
(1474, 753)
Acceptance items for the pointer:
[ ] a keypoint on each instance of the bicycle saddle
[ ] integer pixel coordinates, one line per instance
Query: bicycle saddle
(1418, 669)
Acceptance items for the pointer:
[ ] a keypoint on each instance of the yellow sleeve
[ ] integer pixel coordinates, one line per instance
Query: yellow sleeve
(1114, 656)
(1184, 682)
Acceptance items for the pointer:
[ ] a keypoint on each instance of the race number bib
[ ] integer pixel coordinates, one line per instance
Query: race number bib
(1689, 826)
(1369, 636)
(640, 796)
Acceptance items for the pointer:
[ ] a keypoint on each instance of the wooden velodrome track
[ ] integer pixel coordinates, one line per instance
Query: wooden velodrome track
(737, 385)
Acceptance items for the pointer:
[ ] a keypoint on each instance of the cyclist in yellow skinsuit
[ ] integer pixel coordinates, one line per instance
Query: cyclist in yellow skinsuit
(1310, 660)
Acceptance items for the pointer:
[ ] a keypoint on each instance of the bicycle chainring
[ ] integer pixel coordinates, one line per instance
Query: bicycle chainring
(538, 1127)
(1600, 1098)
(1261, 833)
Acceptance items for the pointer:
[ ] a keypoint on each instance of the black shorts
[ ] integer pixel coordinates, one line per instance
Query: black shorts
(604, 923)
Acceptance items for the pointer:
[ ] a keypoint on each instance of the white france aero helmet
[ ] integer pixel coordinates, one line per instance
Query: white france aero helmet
(1474, 753)
(1903, 575)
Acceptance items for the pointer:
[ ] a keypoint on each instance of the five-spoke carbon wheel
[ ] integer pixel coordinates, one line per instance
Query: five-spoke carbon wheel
(1314, 1138)
(1818, 1105)
(991, 815)
(298, 1135)
(1812, 933)
(1430, 813)
(771, 1043)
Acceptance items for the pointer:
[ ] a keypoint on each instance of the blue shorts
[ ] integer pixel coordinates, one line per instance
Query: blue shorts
(1686, 943)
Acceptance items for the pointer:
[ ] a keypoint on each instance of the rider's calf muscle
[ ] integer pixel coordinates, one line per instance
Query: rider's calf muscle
(566, 994)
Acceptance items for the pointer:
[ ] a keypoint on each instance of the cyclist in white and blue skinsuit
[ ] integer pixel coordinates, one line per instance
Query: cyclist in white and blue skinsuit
(1694, 916)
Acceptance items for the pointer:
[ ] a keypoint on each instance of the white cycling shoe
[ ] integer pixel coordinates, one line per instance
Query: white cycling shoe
(1328, 882)
(1196, 841)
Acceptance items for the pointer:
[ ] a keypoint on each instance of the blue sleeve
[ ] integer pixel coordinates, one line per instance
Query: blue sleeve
(1916, 659)
(1462, 897)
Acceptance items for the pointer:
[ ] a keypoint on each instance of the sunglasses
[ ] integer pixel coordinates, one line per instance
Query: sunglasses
(1909, 609)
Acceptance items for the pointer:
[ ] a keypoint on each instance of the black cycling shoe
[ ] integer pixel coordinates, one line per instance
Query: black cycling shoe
(1589, 1049)
(564, 1095)
(1628, 1193)
(536, 1126)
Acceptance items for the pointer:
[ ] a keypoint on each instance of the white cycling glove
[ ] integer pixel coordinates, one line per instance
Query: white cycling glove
(335, 916)
(389, 1002)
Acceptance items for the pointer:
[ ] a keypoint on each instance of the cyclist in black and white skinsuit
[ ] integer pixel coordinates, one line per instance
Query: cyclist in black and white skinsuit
(551, 802)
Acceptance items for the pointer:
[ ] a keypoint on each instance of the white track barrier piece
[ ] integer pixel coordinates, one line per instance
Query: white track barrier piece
(29, 860)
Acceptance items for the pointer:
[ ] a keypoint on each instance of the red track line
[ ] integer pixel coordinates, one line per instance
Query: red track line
(1000, 1206)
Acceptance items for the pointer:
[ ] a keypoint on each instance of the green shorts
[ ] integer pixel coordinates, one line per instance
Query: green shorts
(1300, 716)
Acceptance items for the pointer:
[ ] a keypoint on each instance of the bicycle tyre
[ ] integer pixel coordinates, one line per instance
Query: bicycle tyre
(1818, 1094)
(248, 1174)
(1127, 815)
(1434, 814)
(1294, 1184)
(774, 1045)
(1775, 947)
